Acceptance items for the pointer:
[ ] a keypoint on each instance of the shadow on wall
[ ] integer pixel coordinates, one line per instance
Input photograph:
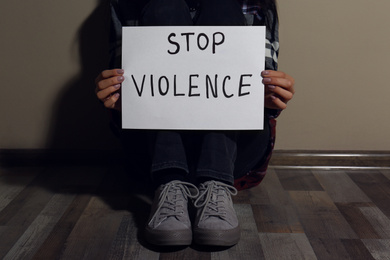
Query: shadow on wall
(79, 121)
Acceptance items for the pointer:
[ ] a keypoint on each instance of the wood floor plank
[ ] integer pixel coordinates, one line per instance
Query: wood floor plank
(18, 215)
(298, 179)
(386, 172)
(339, 186)
(269, 192)
(13, 181)
(187, 253)
(333, 249)
(262, 194)
(277, 219)
(80, 181)
(357, 220)
(86, 240)
(53, 245)
(126, 244)
(376, 186)
(319, 216)
(286, 246)
(272, 207)
(356, 249)
(249, 246)
(379, 248)
(40, 228)
(259, 194)
(242, 197)
(221, 255)
(87, 212)
(29, 197)
(379, 221)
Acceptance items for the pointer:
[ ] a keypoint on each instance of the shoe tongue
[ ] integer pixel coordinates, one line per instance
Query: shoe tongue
(214, 196)
(172, 194)
(175, 196)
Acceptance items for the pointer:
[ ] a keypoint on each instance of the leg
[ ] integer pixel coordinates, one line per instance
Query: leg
(216, 222)
(217, 156)
(228, 155)
(169, 161)
(169, 222)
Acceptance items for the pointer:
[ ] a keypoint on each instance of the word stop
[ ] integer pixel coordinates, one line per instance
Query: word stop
(202, 41)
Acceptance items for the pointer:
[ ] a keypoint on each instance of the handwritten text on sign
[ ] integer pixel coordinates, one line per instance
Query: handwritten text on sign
(193, 77)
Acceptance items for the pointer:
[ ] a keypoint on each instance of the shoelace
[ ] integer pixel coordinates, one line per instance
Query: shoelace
(211, 206)
(173, 208)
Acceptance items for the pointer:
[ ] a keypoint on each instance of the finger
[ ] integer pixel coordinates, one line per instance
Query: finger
(288, 81)
(285, 95)
(273, 73)
(274, 102)
(268, 89)
(277, 74)
(103, 94)
(112, 81)
(281, 82)
(110, 102)
(111, 73)
(108, 74)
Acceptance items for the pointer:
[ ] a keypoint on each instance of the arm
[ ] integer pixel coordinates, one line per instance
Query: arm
(279, 86)
(108, 82)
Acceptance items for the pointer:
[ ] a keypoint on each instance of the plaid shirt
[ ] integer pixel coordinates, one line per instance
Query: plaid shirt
(125, 13)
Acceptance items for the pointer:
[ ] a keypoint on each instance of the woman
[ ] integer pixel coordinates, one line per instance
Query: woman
(214, 161)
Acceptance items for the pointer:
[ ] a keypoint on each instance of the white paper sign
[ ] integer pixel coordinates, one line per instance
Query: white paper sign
(192, 77)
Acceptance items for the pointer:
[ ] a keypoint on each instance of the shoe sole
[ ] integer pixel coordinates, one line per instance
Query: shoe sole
(217, 237)
(168, 237)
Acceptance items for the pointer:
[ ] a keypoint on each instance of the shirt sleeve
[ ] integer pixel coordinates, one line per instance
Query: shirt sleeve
(123, 13)
(115, 36)
(272, 44)
(271, 55)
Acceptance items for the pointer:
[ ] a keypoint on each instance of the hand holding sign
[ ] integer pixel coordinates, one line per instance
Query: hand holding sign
(279, 89)
(193, 77)
(108, 83)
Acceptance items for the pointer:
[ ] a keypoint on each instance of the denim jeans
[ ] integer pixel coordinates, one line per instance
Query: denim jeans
(219, 155)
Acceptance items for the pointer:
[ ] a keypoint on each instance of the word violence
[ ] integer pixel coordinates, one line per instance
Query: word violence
(196, 86)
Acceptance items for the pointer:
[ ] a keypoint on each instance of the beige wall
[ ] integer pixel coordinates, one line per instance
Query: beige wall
(51, 52)
(338, 51)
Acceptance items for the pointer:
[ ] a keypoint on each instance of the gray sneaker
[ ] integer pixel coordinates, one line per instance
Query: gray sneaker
(216, 221)
(169, 222)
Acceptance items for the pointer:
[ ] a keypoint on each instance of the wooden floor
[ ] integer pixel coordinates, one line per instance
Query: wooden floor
(84, 212)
